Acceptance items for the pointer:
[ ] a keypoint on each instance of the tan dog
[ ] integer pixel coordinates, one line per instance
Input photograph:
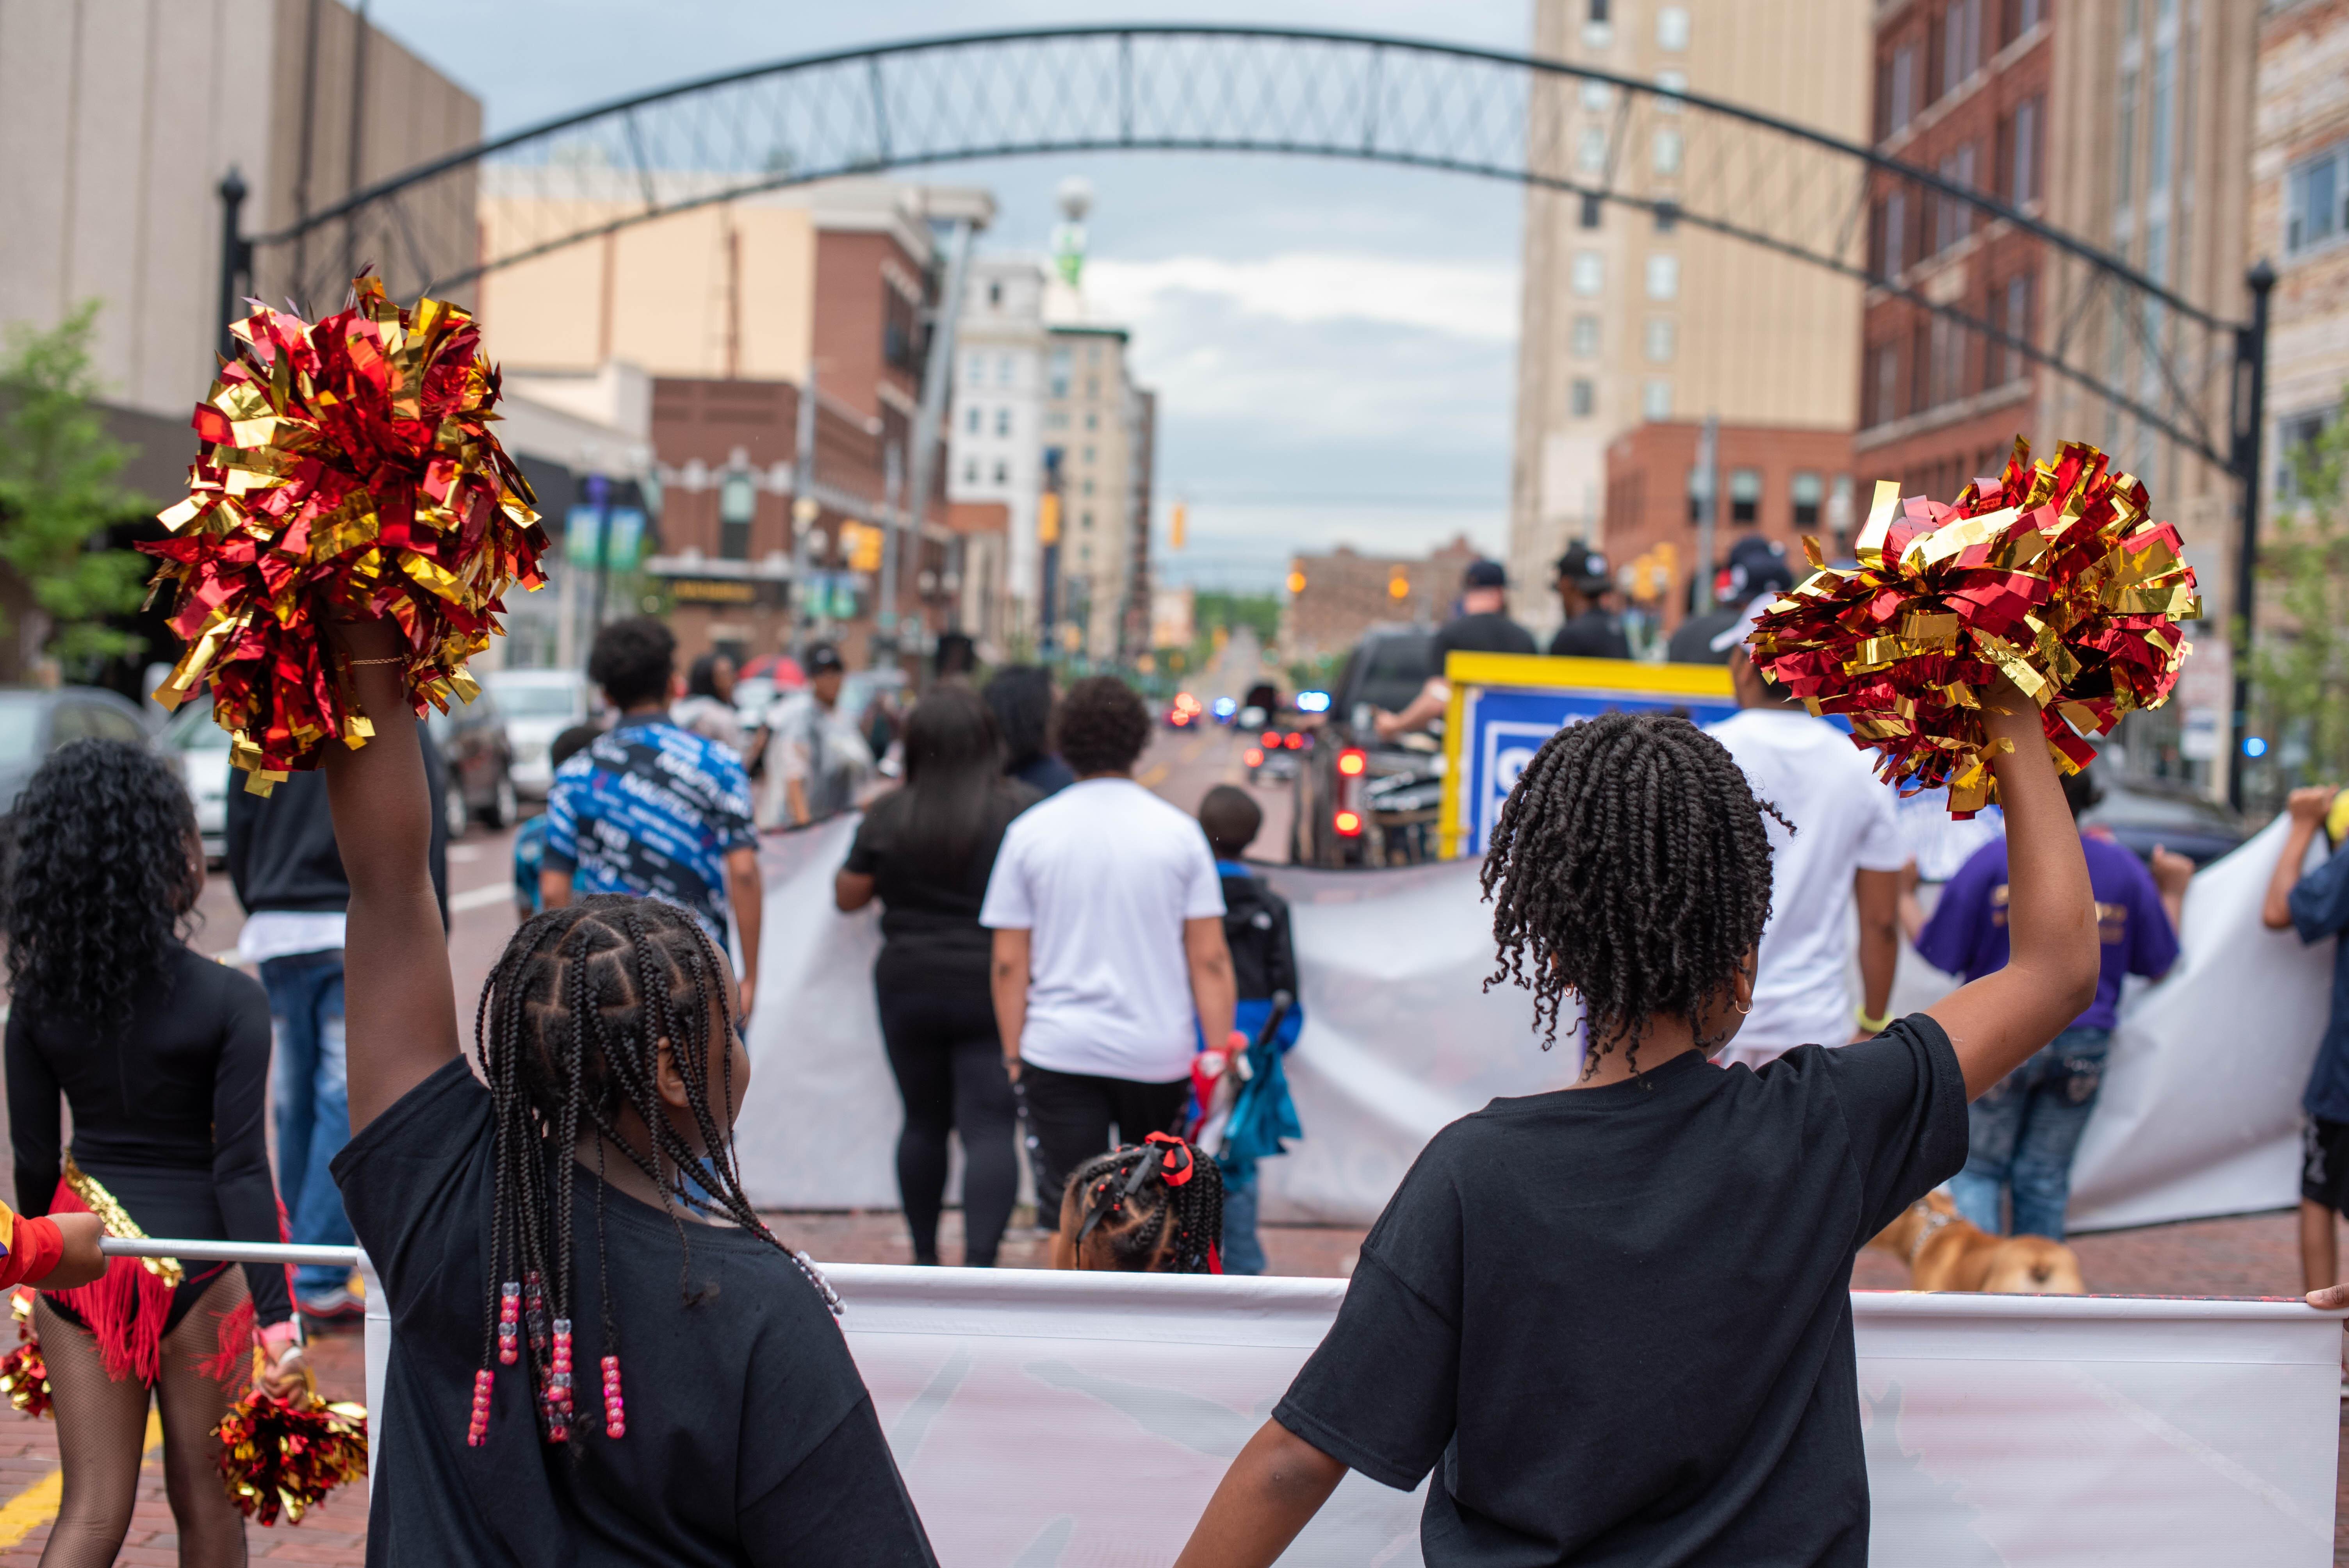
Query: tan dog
(1945, 1251)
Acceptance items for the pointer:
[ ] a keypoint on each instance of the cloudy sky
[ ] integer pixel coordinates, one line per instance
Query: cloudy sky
(1333, 344)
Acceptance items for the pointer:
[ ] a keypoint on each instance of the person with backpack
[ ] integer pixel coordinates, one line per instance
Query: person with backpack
(1261, 1115)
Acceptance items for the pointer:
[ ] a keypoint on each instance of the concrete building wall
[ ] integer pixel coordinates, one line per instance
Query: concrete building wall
(1743, 334)
(118, 119)
(1334, 597)
(1088, 393)
(996, 437)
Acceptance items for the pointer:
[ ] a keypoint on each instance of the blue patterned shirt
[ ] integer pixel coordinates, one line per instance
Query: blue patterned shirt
(651, 809)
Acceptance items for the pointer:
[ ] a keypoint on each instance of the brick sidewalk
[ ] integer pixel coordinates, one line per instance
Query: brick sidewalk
(2255, 1255)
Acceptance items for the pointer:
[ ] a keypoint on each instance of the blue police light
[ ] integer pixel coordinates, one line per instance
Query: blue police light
(1225, 707)
(2255, 746)
(1313, 702)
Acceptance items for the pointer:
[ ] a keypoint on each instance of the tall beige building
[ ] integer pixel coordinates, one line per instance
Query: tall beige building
(1629, 319)
(1091, 409)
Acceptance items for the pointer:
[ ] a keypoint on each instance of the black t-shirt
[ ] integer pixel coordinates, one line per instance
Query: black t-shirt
(750, 1438)
(1492, 633)
(929, 924)
(1593, 634)
(1620, 1317)
(1692, 644)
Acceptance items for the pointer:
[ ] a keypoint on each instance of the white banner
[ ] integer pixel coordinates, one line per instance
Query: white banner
(1049, 1421)
(2199, 1114)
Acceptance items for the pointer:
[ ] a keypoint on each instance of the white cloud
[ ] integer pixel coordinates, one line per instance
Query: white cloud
(1476, 300)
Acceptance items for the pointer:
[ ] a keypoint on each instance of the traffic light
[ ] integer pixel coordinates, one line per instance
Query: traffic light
(1176, 522)
(863, 544)
(1048, 518)
(1296, 583)
(1398, 587)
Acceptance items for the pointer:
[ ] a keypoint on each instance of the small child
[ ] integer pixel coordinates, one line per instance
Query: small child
(2317, 906)
(1615, 1319)
(530, 839)
(1264, 961)
(1152, 1207)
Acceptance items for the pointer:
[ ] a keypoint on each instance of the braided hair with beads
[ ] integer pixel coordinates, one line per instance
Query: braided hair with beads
(1629, 869)
(569, 1031)
(1154, 1207)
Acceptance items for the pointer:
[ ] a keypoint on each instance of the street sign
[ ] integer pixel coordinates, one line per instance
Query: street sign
(623, 543)
(1505, 705)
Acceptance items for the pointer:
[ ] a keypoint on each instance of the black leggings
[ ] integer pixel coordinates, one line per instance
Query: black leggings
(1070, 1115)
(948, 1060)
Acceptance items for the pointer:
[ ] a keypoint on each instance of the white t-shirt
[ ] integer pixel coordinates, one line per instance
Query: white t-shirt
(1104, 874)
(1847, 822)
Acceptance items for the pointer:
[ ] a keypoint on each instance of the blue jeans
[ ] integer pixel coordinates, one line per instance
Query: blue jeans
(313, 1105)
(1243, 1253)
(2022, 1133)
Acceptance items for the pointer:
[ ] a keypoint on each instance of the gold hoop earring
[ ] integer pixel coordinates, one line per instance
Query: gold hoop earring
(1745, 1010)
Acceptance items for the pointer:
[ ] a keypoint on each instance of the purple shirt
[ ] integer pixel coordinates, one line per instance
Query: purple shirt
(1967, 934)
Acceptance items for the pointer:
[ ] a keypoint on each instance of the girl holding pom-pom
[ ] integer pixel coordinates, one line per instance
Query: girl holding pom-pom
(600, 1353)
(164, 1057)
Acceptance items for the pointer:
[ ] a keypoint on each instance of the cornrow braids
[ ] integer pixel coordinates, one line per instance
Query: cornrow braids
(568, 1031)
(1630, 869)
(1154, 1207)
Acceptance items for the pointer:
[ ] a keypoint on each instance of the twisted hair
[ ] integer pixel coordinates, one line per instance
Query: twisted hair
(568, 1031)
(1103, 726)
(101, 881)
(1631, 868)
(1154, 1207)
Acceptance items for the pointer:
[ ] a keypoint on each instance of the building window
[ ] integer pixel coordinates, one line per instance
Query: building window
(1805, 492)
(971, 471)
(1002, 473)
(1582, 339)
(2017, 17)
(2016, 323)
(1088, 454)
(1598, 11)
(1673, 28)
(1590, 151)
(1903, 107)
(1953, 217)
(2296, 439)
(1598, 97)
(1667, 217)
(1698, 496)
(1587, 275)
(1667, 150)
(974, 369)
(2315, 208)
(1003, 421)
(738, 504)
(1661, 339)
(1060, 373)
(1656, 400)
(1674, 86)
(1085, 519)
(1583, 396)
(1093, 386)
(1961, 44)
(1003, 370)
(974, 421)
(1590, 211)
(1888, 384)
(1092, 421)
(995, 296)
(1896, 233)
(2023, 174)
(1089, 490)
(2124, 150)
(1746, 495)
(1092, 353)
(2165, 94)
(1663, 277)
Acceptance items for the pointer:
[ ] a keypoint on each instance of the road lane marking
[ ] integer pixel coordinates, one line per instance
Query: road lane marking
(481, 897)
(38, 1504)
(1152, 777)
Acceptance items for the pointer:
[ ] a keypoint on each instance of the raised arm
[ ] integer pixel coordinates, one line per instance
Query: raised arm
(1999, 1020)
(2307, 807)
(399, 1004)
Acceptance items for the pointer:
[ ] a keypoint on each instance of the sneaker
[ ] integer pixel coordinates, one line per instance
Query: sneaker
(327, 1308)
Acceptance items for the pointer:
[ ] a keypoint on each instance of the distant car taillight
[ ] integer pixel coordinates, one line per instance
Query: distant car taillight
(1348, 824)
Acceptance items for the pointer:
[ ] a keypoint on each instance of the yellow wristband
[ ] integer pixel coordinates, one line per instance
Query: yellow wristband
(1874, 1026)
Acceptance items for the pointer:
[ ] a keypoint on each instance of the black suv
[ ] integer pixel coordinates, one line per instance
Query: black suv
(1361, 800)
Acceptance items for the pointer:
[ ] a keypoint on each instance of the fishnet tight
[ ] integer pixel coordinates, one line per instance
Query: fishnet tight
(102, 1438)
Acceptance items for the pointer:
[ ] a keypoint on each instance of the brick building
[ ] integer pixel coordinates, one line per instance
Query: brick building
(2299, 219)
(1779, 482)
(1334, 598)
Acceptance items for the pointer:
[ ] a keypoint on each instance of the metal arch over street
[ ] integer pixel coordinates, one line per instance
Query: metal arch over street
(2149, 352)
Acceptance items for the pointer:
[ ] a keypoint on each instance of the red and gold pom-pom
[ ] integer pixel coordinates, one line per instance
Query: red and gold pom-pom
(24, 1376)
(283, 1455)
(2052, 574)
(348, 471)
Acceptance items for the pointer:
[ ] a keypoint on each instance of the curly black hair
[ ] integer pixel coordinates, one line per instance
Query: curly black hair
(103, 871)
(1631, 868)
(1154, 1207)
(634, 661)
(1021, 697)
(1102, 725)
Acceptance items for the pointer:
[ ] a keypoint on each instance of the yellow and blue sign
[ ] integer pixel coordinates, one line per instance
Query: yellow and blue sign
(1505, 705)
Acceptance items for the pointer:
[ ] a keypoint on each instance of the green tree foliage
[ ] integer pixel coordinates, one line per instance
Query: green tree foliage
(1258, 611)
(59, 490)
(2301, 668)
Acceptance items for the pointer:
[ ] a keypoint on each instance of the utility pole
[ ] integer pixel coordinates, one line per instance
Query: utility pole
(893, 496)
(804, 508)
(2251, 428)
(1708, 504)
(599, 496)
(236, 256)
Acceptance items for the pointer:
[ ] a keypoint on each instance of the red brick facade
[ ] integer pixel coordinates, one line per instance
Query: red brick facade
(1342, 595)
(1779, 482)
(1962, 89)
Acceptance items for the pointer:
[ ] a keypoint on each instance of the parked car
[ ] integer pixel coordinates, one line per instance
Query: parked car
(537, 706)
(36, 721)
(2143, 812)
(480, 757)
(1362, 800)
(199, 747)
